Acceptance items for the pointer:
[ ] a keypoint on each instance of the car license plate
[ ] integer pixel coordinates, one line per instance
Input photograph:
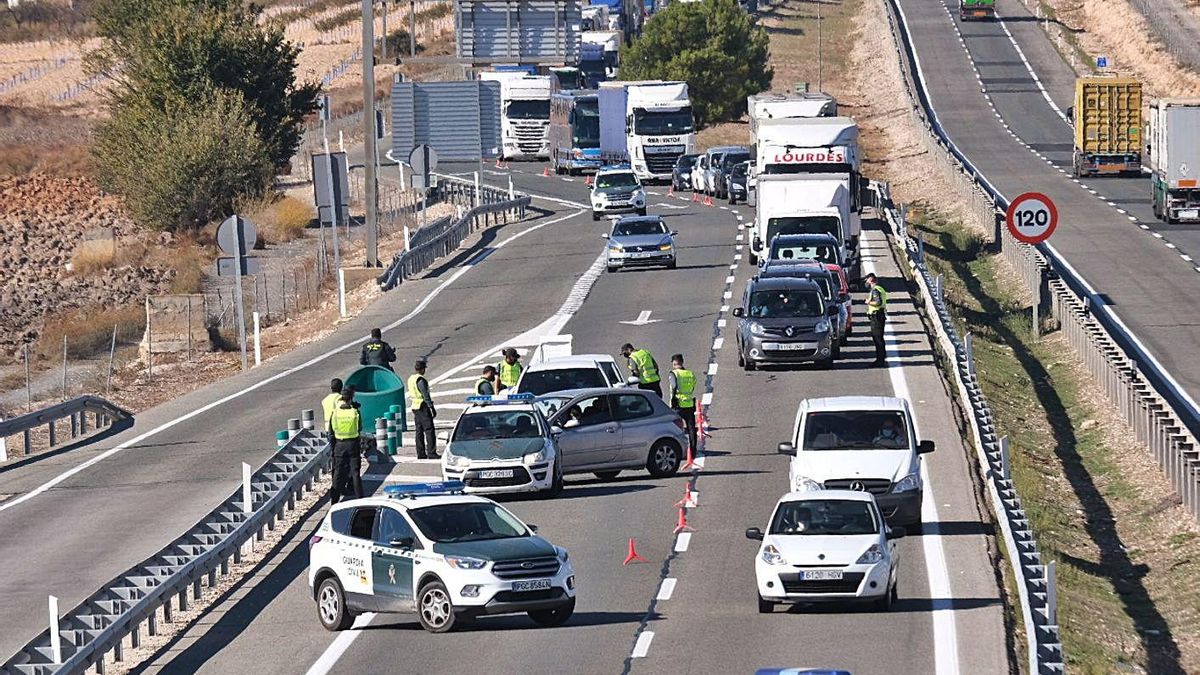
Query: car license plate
(1190, 214)
(821, 575)
(642, 254)
(535, 585)
(496, 473)
(789, 346)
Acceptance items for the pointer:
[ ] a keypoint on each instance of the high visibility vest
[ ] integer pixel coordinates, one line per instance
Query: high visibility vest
(328, 404)
(647, 371)
(881, 295)
(479, 385)
(509, 374)
(413, 393)
(345, 423)
(685, 387)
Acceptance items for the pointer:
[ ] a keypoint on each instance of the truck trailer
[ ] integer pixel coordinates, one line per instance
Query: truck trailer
(1107, 117)
(976, 10)
(1174, 158)
(574, 131)
(524, 114)
(647, 124)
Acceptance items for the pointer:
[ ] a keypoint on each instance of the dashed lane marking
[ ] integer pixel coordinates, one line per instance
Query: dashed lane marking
(666, 589)
(684, 540)
(642, 646)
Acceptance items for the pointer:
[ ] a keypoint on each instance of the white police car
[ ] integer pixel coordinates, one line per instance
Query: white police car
(503, 444)
(429, 549)
(617, 190)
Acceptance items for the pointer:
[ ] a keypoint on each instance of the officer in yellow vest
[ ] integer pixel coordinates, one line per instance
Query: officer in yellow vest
(877, 299)
(331, 400)
(345, 428)
(683, 395)
(644, 368)
(486, 386)
(423, 412)
(509, 370)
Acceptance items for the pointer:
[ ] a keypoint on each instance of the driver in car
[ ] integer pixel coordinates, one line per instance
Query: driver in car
(888, 435)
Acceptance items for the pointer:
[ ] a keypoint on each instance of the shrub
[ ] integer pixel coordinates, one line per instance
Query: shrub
(282, 220)
(89, 333)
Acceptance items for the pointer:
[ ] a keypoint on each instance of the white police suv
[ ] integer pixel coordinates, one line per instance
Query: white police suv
(503, 444)
(430, 549)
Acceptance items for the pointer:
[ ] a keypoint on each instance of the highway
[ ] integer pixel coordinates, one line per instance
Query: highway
(1001, 92)
(692, 608)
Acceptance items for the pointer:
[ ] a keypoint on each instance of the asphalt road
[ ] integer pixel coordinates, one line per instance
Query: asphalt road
(950, 617)
(1013, 129)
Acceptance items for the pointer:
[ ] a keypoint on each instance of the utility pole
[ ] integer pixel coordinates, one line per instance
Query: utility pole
(820, 50)
(369, 160)
(383, 42)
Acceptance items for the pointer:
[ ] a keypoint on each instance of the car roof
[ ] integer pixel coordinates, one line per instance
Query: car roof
(785, 238)
(727, 148)
(564, 362)
(596, 391)
(794, 266)
(784, 283)
(631, 219)
(605, 172)
(864, 403)
(825, 495)
(406, 503)
(515, 405)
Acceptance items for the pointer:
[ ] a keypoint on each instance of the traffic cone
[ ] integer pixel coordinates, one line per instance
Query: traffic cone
(633, 556)
(671, 190)
(688, 501)
(708, 200)
(681, 525)
(589, 180)
(546, 171)
(701, 422)
(695, 196)
(690, 464)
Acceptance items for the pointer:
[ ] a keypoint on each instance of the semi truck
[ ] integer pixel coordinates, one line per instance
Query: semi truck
(817, 203)
(524, 114)
(574, 131)
(1107, 118)
(976, 10)
(1173, 155)
(599, 56)
(595, 17)
(647, 124)
(786, 106)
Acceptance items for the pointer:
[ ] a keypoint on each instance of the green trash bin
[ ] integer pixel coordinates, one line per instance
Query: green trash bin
(376, 389)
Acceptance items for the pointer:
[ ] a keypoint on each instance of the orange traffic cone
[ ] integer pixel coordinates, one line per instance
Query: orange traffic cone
(695, 196)
(671, 190)
(633, 556)
(701, 423)
(681, 525)
(688, 501)
(589, 180)
(546, 171)
(690, 464)
(708, 200)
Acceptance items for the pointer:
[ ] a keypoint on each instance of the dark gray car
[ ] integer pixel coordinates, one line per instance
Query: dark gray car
(785, 320)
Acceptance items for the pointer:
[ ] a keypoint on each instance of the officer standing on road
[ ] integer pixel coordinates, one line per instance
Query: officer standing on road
(644, 368)
(509, 369)
(377, 352)
(345, 427)
(423, 412)
(683, 395)
(877, 299)
(330, 402)
(486, 386)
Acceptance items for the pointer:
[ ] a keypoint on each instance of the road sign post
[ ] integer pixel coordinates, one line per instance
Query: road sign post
(1031, 218)
(233, 236)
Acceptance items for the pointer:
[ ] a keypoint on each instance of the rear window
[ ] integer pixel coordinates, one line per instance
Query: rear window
(546, 381)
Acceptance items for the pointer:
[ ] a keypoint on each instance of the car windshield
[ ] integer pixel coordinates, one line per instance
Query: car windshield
(785, 304)
(611, 180)
(732, 159)
(468, 521)
(586, 125)
(633, 228)
(856, 430)
(824, 254)
(647, 123)
(825, 516)
(550, 404)
(686, 161)
(804, 225)
(738, 171)
(529, 110)
(489, 424)
(560, 379)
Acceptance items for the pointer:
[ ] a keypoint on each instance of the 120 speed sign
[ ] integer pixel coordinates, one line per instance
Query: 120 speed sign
(1032, 218)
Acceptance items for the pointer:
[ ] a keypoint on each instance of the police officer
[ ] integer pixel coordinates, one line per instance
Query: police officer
(877, 299)
(423, 412)
(509, 369)
(331, 400)
(377, 352)
(486, 386)
(683, 395)
(345, 428)
(644, 368)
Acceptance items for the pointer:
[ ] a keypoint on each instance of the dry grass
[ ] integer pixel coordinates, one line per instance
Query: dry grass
(727, 133)
(338, 20)
(281, 219)
(32, 139)
(89, 332)
(94, 255)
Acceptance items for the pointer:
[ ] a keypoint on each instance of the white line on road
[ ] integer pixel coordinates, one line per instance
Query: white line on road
(666, 589)
(720, 323)
(712, 368)
(730, 279)
(683, 541)
(718, 343)
(642, 646)
(706, 399)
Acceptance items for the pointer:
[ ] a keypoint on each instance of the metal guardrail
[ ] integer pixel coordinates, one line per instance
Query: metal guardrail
(1036, 585)
(103, 621)
(104, 414)
(488, 206)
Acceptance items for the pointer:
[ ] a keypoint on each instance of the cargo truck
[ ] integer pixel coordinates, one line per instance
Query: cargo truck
(599, 56)
(647, 124)
(805, 204)
(574, 132)
(976, 10)
(524, 114)
(1107, 117)
(1174, 158)
(784, 106)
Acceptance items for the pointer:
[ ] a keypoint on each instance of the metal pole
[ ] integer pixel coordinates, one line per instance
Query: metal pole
(820, 51)
(189, 330)
(112, 352)
(28, 388)
(64, 378)
(247, 503)
(333, 216)
(412, 28)
(370, 158)
(237, 293)
(149, 342)
(257, 342)
(55, 638)
(383, 46)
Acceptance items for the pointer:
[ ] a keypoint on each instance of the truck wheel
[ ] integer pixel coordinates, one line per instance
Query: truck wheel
(641, 212)
(331, 606)
(554, 617)
(434, 608)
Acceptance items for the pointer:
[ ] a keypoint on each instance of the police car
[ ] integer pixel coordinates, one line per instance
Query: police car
(430, 549)
(503, 444)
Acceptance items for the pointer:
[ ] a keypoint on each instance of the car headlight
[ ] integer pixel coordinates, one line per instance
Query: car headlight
(805, 484)
(870, 556)
(667, 246)
(454, 460)
(464, 563)
(562, 554)
(535, 457)
(599, 197)
(756, 328)
(907, 484)
(616, 247)
(822, 326)
(772, 556)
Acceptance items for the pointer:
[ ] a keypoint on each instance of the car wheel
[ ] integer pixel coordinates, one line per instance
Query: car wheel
(825, 364)
(671, 265)
(741, 359)
(611, 269)
(732, 199)
(607, 475)
(331, 606)
(434, 608)
(765, 606)
(641, 212)
(556, 485)
(664, 459)
(753, 259)
(554, 617)
(595, 216)
(885, 603)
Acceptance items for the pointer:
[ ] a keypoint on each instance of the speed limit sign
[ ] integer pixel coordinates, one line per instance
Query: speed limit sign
(1032, 218)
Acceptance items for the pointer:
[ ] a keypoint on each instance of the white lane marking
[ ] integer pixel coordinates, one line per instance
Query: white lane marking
(1185, 257)
(340, 644)
(666, 589)
(455, 392)
(738, 248)
(706, 399)
(681, 544)
(734, 265)
(729, 279)
(1028, 68)
(286, 373)
(718, 343)
(728, 295)
(642, 646)
(737, 256)
(724, 309)
(712, 368)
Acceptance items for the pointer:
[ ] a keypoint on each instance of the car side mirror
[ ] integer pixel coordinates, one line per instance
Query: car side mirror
(924, 447)
(556, 430)
(632, 381)
(896, 532)
(531, 526)
(787, 449)
(738, 312)
(604, 236)
(674, 233)
(754, 533)
(832, 310)
(402, 542)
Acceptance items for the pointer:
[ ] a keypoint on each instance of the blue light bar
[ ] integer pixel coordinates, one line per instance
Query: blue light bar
(521, 397)
(447, 487)
(501, 398)
(800, 671)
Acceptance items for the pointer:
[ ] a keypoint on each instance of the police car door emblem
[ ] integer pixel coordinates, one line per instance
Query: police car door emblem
(858, 486)
(392, 574)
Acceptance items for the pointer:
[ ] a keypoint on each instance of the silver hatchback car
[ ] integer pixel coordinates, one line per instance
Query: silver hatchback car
(606, 431)
(640, 241)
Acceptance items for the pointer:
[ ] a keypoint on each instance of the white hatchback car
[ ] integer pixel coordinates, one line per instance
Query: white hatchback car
(826, 546)
(564, 373)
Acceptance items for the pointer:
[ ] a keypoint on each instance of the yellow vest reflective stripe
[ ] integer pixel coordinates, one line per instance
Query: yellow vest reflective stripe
(685, 387)
(345, 423)
(645, 365)
(509, 373)
(328, 404)
(413, 392)
(881, 295)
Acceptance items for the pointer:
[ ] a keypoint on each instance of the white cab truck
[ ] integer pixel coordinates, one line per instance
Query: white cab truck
(775, 106)
(524, 114)
(647, 124)
(1174, 158)
(599, 52)
(805, 204)
(595, 17)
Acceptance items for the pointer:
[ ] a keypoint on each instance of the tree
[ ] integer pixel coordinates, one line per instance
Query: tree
(714, 46)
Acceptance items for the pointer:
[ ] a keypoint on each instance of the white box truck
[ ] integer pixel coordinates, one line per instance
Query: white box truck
(787, 106)
(647, 124)
(804, 204)
(1174, 159)
(524, 114)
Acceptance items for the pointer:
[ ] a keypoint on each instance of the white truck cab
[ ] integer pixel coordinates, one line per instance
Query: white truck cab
(647, 124)
(524, 114)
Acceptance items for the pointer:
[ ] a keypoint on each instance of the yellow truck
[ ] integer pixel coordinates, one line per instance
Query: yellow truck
(1107, 117)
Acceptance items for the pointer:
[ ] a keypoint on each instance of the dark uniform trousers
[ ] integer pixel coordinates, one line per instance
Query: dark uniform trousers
(347, 470)
(878, 319)
(655, 387)
(689, 421)
(426, 440)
